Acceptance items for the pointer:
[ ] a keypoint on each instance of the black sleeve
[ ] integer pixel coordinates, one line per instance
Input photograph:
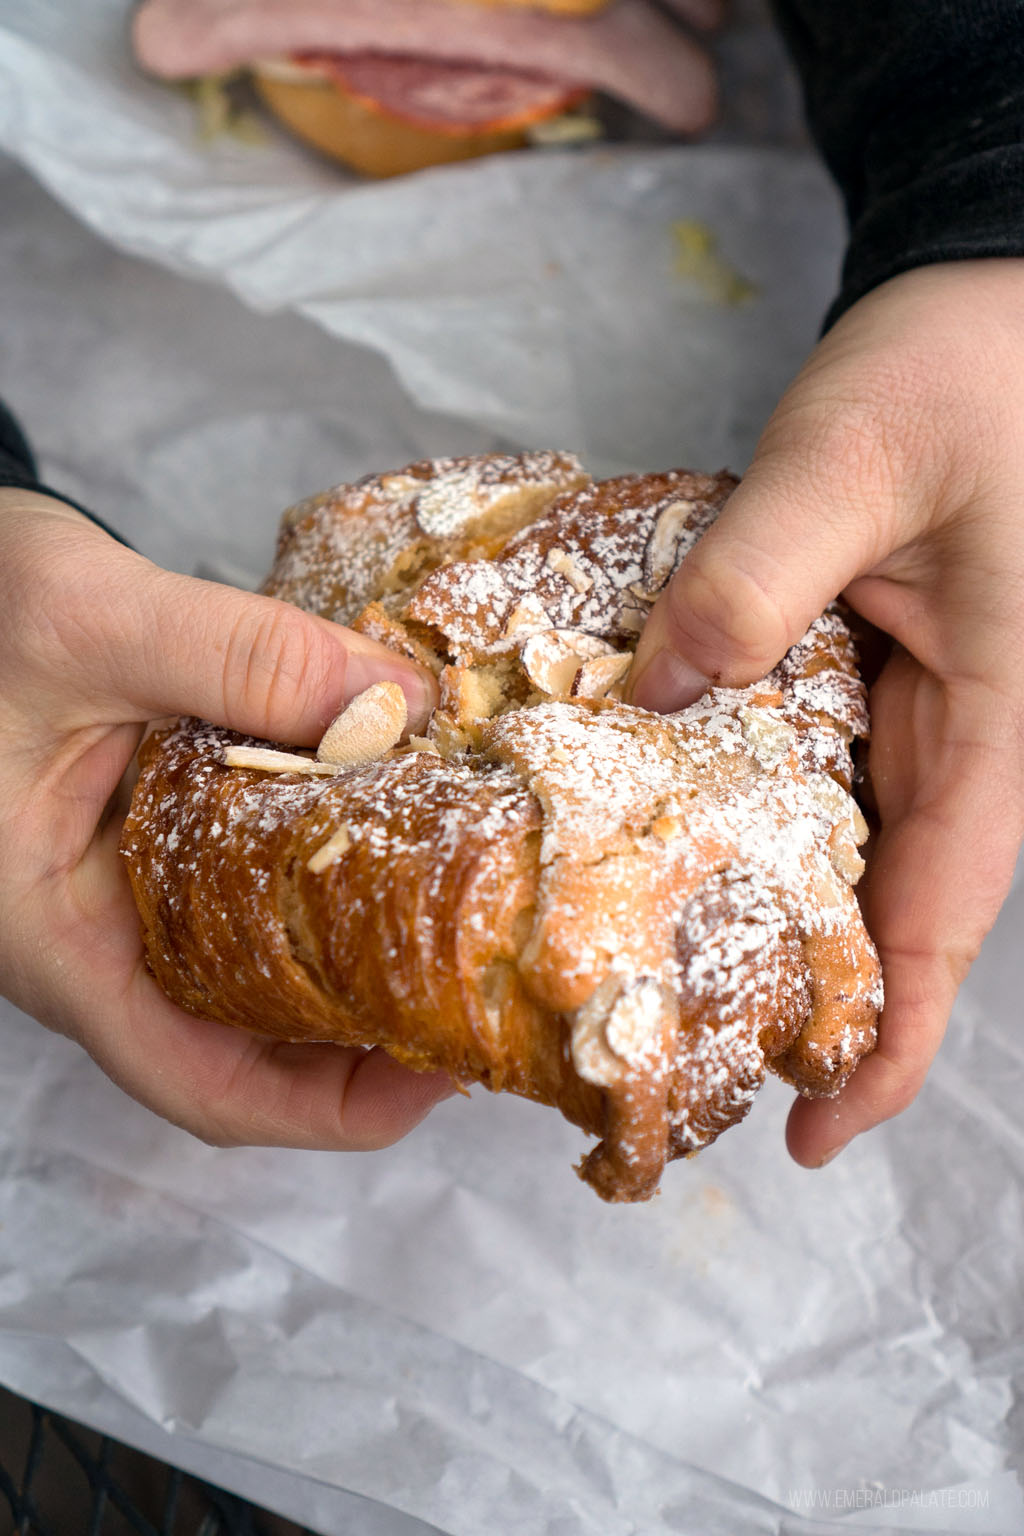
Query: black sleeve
(918, 109)
(18, 467)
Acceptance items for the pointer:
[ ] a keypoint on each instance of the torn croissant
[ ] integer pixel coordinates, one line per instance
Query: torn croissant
(627, 916)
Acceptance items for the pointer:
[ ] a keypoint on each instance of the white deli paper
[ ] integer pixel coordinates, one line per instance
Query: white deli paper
(455, 1331)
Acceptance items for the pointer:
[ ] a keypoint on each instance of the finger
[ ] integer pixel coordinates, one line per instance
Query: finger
(234, 1089)
(138, 642)
(266, 667)
(783, 547)
(948, 776)
(222, 1084)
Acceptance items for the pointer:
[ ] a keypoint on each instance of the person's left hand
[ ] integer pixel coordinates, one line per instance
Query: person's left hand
(96, 641)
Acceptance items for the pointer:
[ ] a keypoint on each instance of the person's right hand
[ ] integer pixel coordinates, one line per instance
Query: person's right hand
(892, 471)
(96, 641)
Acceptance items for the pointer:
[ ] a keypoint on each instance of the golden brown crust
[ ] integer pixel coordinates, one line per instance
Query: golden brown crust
(624, 915)
(374, 143)
(378, 142)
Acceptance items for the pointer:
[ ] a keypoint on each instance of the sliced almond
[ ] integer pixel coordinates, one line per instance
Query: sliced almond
(632, 620)
(271, 761)
(848, 825)
(842, 850)
(370, 725)
(400, 486)
(450, 739)
(553, 659)
(621, 1029)
(561, 562)
(769, 737)
(530, 614)
(598, 676)
(641, 593)
(334, 848)
(660, 554)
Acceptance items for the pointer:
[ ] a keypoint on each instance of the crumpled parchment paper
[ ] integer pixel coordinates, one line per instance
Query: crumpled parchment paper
(455, 1334)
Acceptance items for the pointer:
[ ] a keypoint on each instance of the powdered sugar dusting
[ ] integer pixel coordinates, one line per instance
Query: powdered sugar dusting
(344, 548)
(599, 537)
(668, 897)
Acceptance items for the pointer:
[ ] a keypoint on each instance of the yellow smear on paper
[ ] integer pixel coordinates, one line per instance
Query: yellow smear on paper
(218, 111)
(699, 261)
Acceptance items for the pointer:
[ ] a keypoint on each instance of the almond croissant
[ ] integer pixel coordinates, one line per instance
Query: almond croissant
(553, 893)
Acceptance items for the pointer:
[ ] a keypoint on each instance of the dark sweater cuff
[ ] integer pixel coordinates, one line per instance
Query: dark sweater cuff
(918, 109)
(26, 483)
(973, 208)
(18, 468)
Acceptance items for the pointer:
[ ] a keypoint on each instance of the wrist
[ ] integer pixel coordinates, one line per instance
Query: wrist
(17, 499)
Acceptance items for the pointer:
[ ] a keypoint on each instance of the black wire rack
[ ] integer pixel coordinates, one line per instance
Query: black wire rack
(62, 1479)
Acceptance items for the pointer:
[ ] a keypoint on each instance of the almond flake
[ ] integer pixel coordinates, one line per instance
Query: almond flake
(660, 554)
(331, 851)
(529, 614)
(632, 619)
(553, 659)
(842, 850)
(370, 725)
(562, 563)
(620, 1029)
(271, 761)
(599, 675)
(450, 739)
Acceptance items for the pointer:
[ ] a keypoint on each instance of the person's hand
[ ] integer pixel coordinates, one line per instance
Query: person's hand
(893, 472)
(96, 641)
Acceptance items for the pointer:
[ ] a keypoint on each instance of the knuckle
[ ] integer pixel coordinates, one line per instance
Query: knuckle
(81, 613)
(851, 444)
(44, 603)
(215, 1115)
(892, 424)
(274, 665)
(901, 1091)
(217, 1137)
(726, 619)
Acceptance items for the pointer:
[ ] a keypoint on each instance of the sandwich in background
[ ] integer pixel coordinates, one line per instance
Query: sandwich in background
(392, 86)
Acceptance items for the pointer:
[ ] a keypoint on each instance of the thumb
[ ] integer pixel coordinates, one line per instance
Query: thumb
(164, 644)
(786, 543)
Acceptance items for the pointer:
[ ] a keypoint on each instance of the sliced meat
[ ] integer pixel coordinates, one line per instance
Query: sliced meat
(631, 51)
(442, 96)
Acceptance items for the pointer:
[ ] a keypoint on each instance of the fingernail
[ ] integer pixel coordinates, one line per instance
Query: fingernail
(420, 697)
(829, 1156)
(419, 687)
(668, 682)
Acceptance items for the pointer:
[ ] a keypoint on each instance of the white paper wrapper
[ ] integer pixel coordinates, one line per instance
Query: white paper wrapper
(534, 295)
(455, 1331)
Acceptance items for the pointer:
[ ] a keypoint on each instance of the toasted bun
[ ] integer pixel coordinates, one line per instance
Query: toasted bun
(340, 112)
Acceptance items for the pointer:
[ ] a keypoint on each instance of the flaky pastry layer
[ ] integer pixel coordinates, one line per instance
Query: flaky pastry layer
(628, 916)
